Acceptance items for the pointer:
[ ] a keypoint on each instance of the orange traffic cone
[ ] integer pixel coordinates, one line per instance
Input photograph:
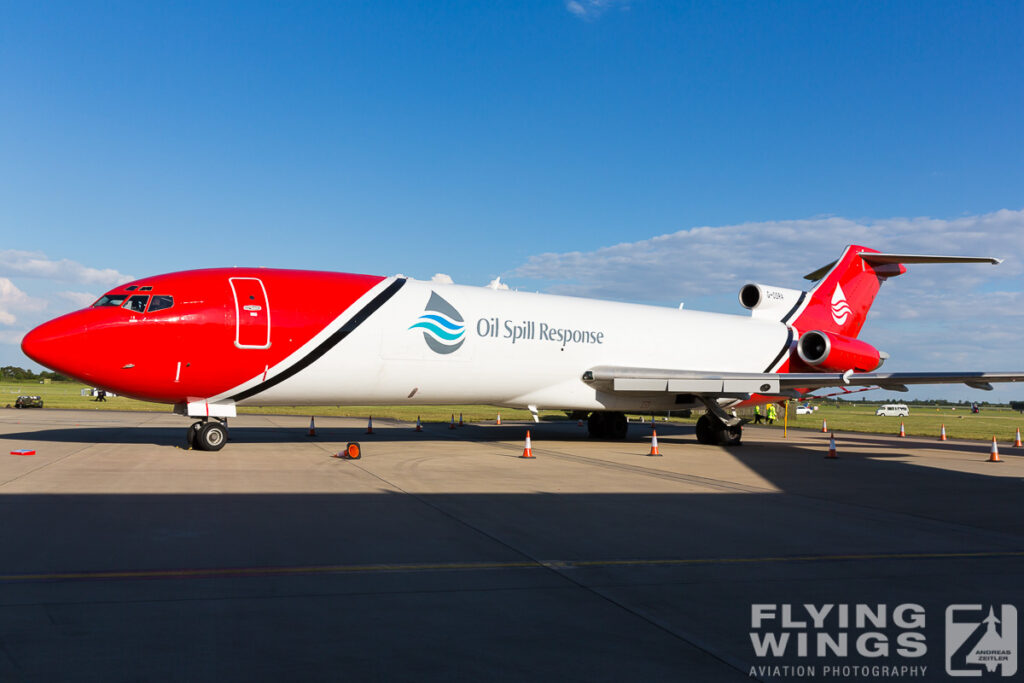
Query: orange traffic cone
(528, 451)
(312, 427)
(824, 426)
(369, 425)
(499, 419)
(654, 444)
(1016, 442)
(942, 433)
(994, 453)
(831, 448)
(419, 426)
(461, 423)
(451, 425)
(903, 432)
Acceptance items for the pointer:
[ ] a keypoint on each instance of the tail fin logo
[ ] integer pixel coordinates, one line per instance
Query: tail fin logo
(443, 327)
(841, 310)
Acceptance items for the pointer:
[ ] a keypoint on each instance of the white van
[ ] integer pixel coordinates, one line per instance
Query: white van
(893, 410)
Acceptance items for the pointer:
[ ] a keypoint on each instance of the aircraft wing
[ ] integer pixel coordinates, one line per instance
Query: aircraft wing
(740, 385)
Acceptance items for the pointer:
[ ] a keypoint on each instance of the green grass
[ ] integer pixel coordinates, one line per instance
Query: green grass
(923, 421)
(68, 395)
(850, 417)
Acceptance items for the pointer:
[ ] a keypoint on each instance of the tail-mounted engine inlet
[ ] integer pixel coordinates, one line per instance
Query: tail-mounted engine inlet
(838, 353)
(765, 301)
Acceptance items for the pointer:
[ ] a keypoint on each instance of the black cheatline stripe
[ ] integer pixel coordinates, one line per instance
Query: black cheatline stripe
(327, 344)
(789, 340)
(789, 337)
(785, 318)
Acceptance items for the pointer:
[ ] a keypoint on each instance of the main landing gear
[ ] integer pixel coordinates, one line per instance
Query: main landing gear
(713, 432)
(207, 435)
(607, 425)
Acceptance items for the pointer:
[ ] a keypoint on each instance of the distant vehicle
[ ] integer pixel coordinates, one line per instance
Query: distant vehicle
(28, 402)
(893, 410)
(804, 409)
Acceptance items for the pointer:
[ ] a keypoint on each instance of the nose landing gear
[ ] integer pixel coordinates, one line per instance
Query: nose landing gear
(207, 435)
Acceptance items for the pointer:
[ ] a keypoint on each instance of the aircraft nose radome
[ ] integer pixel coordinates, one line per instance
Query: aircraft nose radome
(35, 342)
(53, 343)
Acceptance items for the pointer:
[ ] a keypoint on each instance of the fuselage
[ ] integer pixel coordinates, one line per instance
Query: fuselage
(287, 337)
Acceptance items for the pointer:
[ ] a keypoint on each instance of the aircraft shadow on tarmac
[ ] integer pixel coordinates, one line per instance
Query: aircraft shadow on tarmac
(460, 578)
(468, 577)
(459, 575)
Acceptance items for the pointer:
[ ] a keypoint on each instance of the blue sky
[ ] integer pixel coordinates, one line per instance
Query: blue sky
(486, 139)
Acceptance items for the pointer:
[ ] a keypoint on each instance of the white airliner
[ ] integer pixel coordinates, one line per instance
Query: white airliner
(208, 341)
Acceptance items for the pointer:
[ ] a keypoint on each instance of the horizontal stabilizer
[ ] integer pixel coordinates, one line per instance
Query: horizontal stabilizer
(876, 259)
(879, 259)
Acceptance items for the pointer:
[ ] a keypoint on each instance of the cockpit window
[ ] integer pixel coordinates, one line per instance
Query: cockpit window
(160, 302)
(137, 303)
(132, 288)
(147, 288)
(111, 300)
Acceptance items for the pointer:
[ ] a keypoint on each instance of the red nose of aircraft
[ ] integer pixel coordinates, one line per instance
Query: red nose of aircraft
(58, 344)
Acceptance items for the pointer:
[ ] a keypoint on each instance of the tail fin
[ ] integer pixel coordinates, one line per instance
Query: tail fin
(840, 300)
(846, 288)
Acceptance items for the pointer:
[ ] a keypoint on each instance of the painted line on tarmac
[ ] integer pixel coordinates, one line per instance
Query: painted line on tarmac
(237, 572)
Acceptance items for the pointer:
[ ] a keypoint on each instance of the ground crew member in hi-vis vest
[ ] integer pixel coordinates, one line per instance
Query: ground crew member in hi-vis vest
(772, 413)
(757, 415)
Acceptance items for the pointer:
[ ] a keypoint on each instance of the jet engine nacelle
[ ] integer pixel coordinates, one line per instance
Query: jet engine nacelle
(765, 301)
(837, 353)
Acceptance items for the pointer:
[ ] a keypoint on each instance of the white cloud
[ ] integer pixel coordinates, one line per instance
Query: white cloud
(496, 283)
(13, 299)
(37, 265)
(592, 9)
(442, 279)
(707, 260)
(78, 299)
(576, 8)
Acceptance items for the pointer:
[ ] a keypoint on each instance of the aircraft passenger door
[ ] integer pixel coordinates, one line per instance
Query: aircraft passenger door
(252, 313)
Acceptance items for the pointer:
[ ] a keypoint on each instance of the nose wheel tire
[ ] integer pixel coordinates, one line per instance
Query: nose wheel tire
(207, 436)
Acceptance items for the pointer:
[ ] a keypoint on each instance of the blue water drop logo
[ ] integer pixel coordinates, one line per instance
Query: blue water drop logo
(443, 327)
